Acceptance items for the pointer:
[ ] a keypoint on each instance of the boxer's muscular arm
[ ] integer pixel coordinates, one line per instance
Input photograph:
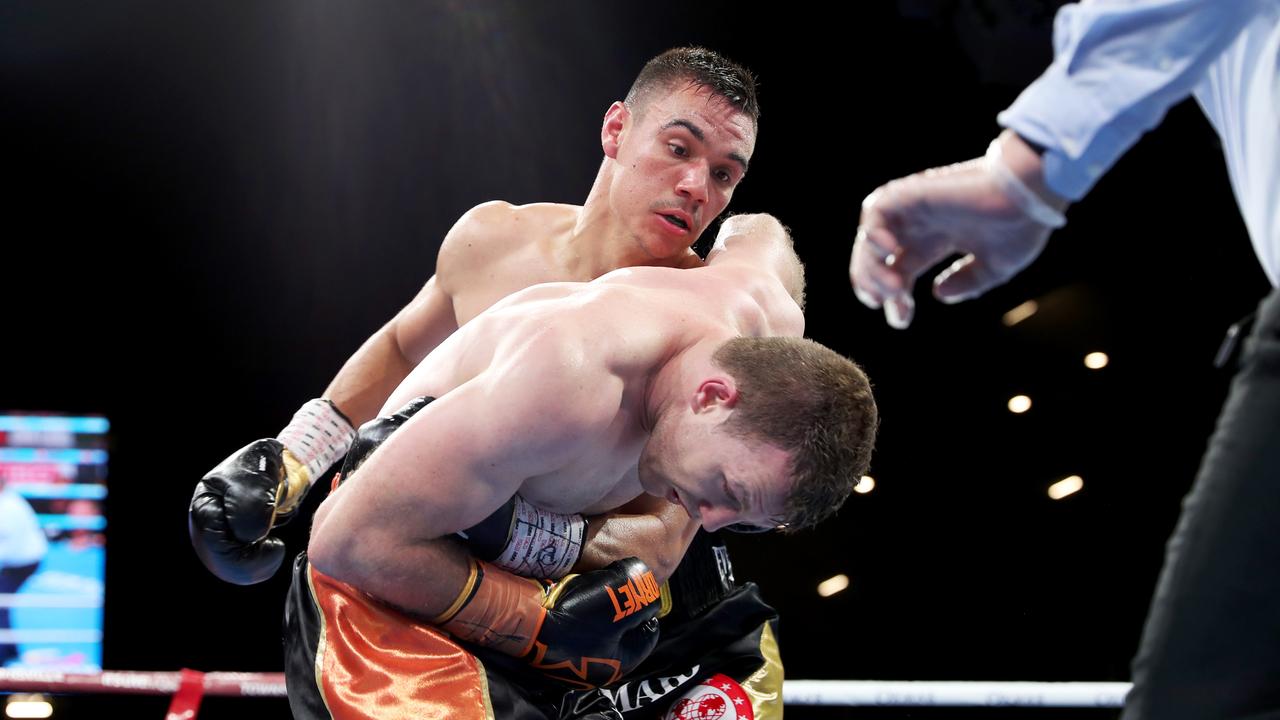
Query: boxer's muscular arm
(369, 375)
(452, 464)
(753, 248)
(651, 528)
(386, 358)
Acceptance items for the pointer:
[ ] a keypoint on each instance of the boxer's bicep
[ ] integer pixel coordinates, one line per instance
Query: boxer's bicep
(458, 459)
(424, 323)
(387, 529)
(390, 354)
(468, 249)
(427, 480)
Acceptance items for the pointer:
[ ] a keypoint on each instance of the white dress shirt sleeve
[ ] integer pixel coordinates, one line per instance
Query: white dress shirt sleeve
(1118, 66)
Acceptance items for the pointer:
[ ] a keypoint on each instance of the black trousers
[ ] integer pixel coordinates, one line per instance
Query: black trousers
(1211, 645)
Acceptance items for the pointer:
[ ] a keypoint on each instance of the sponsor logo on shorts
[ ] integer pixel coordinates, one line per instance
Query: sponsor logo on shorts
(719, 697)
(634, 695)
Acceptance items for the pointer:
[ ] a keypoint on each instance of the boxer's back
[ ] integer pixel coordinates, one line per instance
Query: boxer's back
(624, 323)
(613, 334)
(497, 249)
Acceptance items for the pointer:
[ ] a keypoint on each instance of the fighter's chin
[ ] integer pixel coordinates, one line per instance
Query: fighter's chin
(666, 248)
(650, 481)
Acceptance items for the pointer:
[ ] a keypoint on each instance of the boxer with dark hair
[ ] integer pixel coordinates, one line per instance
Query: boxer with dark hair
(674, 152)
(578, 397)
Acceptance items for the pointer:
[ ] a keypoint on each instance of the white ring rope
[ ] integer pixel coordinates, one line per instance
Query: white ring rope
(796, 692)
(953, 694)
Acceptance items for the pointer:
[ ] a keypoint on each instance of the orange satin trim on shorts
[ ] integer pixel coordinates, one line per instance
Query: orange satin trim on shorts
(375, 662)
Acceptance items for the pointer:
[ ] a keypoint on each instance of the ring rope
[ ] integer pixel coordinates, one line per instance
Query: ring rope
(137, 682)
(955, 694)
(796, 692)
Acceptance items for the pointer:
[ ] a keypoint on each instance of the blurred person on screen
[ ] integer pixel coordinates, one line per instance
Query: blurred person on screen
(22, 547)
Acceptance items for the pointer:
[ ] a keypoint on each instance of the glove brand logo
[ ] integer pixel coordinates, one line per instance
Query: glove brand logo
(582, 669)
(637, 593)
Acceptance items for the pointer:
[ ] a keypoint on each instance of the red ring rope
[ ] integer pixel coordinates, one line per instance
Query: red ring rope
(135, 682)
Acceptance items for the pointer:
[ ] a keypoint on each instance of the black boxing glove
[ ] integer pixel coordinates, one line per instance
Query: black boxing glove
(376, 431)
(258, 488)
(586, 630)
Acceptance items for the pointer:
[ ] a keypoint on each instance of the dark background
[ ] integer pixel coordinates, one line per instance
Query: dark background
(207, 207)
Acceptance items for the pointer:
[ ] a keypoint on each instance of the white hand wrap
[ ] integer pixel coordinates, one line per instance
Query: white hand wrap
(542, 544)
(1021, 195)
(318, 436)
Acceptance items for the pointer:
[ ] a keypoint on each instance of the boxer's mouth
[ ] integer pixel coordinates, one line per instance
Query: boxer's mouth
(674, 496)
(677, 221)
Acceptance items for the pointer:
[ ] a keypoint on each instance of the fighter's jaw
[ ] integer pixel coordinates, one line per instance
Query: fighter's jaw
(653, 482)
(661, 246)
(650, 480)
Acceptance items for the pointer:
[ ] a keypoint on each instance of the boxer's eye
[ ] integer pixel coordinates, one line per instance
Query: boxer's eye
(750, 529)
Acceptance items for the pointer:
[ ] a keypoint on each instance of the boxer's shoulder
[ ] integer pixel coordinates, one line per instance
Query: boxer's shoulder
(498, 232)
(500, 223)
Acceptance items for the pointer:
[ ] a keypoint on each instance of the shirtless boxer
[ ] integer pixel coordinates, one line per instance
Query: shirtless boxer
(578, 397)
(680, 142)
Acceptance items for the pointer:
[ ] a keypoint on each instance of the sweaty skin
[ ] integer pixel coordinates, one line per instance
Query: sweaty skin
(680, 160)
(574, 396)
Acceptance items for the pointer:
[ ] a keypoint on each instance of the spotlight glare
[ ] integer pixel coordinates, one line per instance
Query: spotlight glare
(865, 485)
(1019, 404)
(1096, 360)
(1065, 487)
(1020, 313)
(28, 706)
(833, 585)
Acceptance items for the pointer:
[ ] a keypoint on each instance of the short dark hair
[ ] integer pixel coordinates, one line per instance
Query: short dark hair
(699, 66)
(811, 402)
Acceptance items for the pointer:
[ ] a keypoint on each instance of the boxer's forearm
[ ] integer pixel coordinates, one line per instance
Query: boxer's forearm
(388, 528)
(421, 578)
(652, 529)
(369, 376)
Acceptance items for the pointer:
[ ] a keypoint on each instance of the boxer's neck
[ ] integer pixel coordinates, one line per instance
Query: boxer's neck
(600, 243)
(594, 247)
(671, 387)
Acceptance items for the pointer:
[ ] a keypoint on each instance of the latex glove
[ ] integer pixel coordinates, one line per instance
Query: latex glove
(995, 210)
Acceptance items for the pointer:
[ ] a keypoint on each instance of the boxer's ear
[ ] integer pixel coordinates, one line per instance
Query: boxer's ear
(715, 393)
(616, 122)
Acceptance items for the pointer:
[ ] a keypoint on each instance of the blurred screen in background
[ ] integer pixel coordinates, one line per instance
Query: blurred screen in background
(53, 483)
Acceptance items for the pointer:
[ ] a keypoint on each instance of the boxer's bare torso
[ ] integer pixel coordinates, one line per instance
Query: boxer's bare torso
(509, 248)
(494, 250)
(567, 366)
(548, 394)
(610, 336)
